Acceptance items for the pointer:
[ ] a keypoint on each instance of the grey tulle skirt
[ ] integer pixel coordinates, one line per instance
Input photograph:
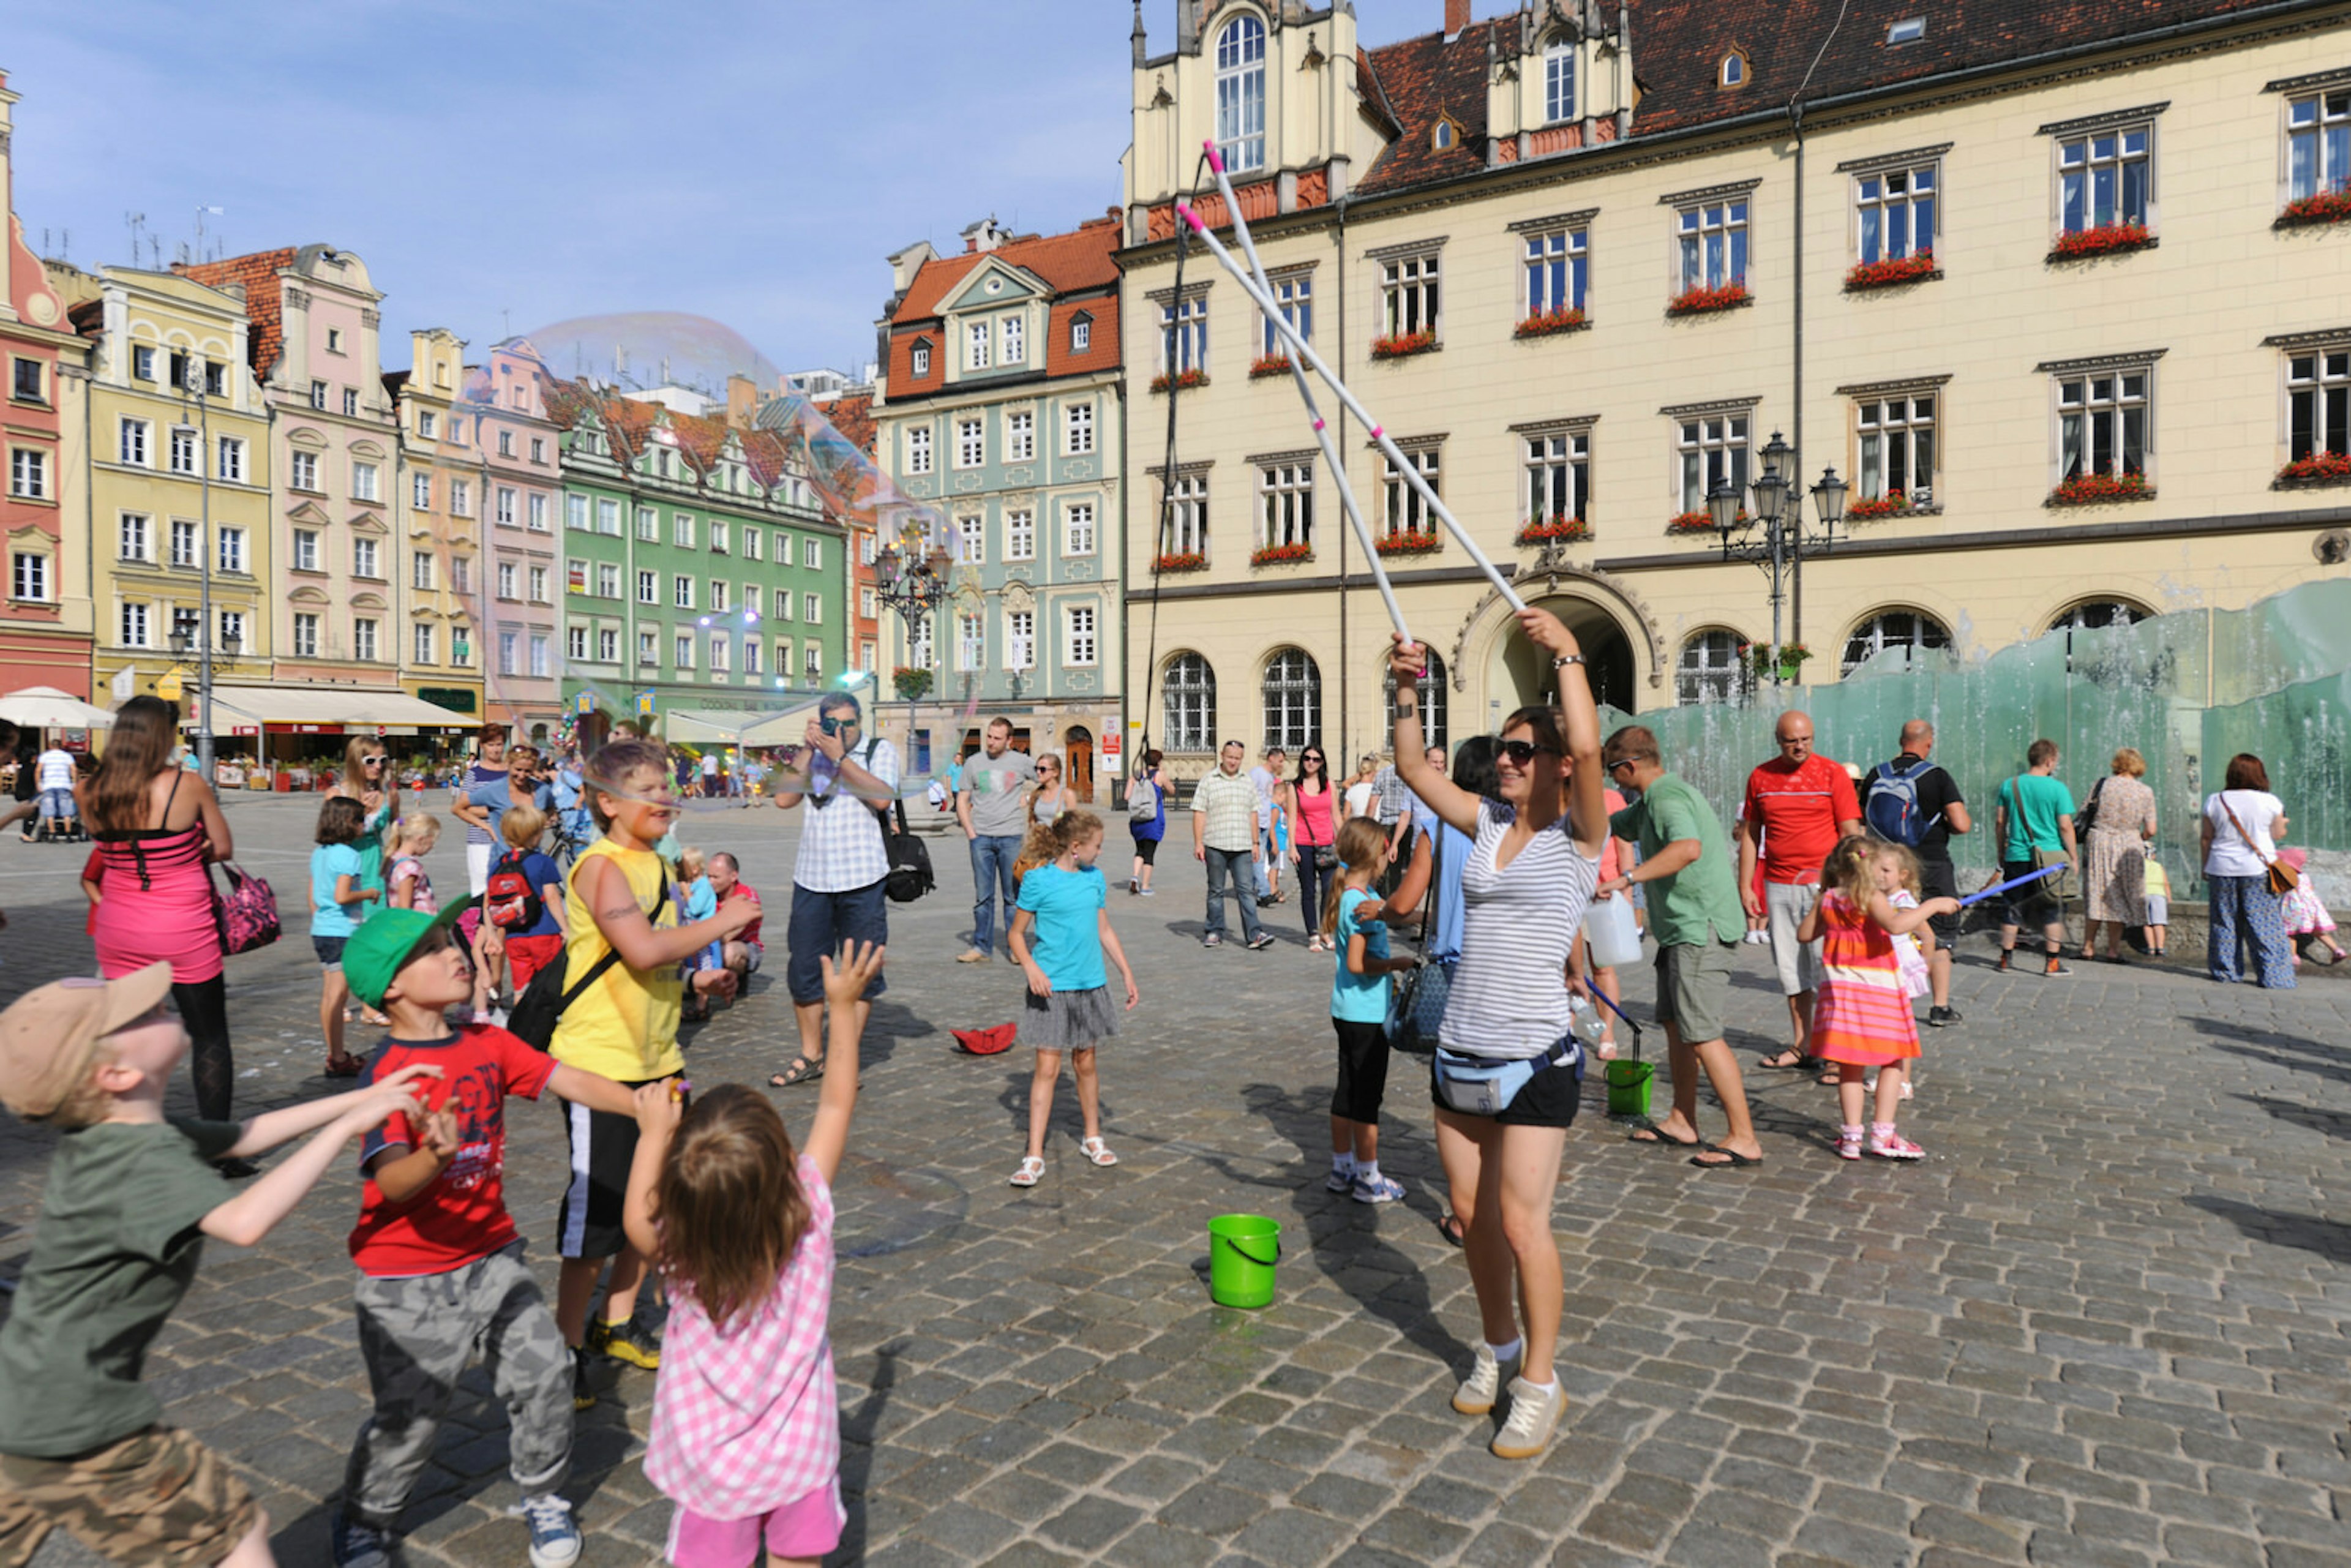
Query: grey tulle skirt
(1067, 1020)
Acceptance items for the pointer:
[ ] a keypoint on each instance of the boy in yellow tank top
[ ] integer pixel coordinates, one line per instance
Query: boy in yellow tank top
(623, 1027)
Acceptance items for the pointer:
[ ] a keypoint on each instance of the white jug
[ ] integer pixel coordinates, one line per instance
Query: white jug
(1609, 926)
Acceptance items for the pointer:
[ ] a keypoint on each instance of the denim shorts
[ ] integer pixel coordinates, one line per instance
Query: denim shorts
(329, 950)
(820, 923)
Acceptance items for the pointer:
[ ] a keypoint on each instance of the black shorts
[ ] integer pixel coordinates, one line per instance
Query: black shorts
(1363, 1071)
(1548, 1099)
(603, 1146)
(1940, 879)
(1147, 851)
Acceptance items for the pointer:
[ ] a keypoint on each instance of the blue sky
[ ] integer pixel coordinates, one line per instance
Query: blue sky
(749, 160)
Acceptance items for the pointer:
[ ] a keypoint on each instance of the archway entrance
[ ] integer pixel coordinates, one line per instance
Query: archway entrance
(1519, 675)
(1077, 751)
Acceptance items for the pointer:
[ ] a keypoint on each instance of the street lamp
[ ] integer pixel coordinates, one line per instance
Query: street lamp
(1783, 542)
(192, 391)
(913, 585)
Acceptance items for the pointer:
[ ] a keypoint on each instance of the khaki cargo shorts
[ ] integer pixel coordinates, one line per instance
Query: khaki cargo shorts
(158, 1498)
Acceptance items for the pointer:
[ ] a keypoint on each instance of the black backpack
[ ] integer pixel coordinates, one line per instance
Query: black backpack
(536, 1012)
(909, 862)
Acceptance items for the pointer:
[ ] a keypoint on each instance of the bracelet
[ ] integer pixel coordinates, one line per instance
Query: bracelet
(1564, 660)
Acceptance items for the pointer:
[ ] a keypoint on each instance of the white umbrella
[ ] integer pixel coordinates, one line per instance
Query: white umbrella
(46, 707)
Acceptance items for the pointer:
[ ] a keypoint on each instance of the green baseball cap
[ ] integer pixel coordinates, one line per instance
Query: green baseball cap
(375, 953)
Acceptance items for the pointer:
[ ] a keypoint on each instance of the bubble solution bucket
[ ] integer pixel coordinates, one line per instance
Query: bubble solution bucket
(1242, 1250)
(1628, 1088)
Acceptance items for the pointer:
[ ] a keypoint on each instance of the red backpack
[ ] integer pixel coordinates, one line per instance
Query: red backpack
(510, 902)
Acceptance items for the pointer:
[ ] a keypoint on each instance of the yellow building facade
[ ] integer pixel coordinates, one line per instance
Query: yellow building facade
(440, 526)
(1613, 267)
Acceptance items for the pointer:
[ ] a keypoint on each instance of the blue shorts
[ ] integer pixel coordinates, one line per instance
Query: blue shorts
(329, 950)
(820, 923)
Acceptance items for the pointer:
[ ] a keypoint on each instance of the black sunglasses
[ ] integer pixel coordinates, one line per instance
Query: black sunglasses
(1620, 762)
(1520, 751)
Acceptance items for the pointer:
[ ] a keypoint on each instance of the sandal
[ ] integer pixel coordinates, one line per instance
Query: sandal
(1730, 1157)
(1450, 1228)
(1097, 1151)
(344, 1066)
(1789, 1061)
(802, 1070)
(1657, 1134)
(1033, 1168)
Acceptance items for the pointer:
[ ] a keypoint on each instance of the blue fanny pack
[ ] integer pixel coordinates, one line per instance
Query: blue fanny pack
(1485, 1085)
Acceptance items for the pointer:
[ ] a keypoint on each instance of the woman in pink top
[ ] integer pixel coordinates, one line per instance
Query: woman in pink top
(1312, 801)
(746, 1420)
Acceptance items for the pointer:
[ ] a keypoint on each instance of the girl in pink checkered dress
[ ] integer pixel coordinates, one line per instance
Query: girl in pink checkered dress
(746, 1424)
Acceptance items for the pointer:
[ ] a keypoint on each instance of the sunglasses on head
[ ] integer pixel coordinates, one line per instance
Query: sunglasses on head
(1520, 752)
(1620, 762)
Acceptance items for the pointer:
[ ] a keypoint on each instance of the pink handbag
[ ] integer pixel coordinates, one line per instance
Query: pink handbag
(248, 916)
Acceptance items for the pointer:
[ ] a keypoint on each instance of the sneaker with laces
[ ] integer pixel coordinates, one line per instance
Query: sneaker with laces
(1533, 1415)
(554, 1538)
(583, 1393)
(1341, 1179)
(1384, 1189)
(626, 1342)
(357, 1544)
(1476, 1395)
(1260, 942)
(1938, 1017)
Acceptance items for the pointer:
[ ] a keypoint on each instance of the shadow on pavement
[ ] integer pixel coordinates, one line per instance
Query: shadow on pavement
(2330, 1238)
(2265, 1045)
(858, 1430)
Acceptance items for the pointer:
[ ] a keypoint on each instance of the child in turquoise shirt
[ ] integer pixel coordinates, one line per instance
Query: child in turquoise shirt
(1061, 934)
(1359, 1012)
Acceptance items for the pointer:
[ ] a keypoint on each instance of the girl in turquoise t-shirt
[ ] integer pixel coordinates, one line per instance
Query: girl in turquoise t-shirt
(339, 902)
(1359, 1012)
(1060, 929)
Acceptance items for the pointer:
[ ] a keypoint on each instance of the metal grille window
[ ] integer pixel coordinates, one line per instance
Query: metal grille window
(1078, 636)
(1708, 450)
(1295, 294)
(971, 534)
(971, 641)
(1408, 295)
(2318, 145)
(1241, 94)
(1183, 336)
(2318, 403)
(1187, 694)
(1895, 211)
(1293, 700)
(1892, 629)
(971, 445)
(1188, 517)
(1408, 511)
(1019, 536)
(1898, 448)
(1286, 493)
(1713, 245)
(2102, 425)
(2106, 178)
(1559, 83)
(1558, 265)
(1021, 438)
(1559, 476)
(1712, 669)
(1434, 731)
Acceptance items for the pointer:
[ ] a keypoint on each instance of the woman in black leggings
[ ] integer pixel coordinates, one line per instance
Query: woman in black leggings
(1316, 813)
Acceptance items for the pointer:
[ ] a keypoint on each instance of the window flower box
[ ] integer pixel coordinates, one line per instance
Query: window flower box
(1550, 323)
(1558, 528)
(1888, 274)
(1280, 555)
(1698, 522)
(1179, 380)
(1396, 542)
(1791, 659)
(1272, 365)
(2318, 468)
(1404, 345)
(2094, 489)
(2107, 239)
(1702, 300)
(911, 682)
(2326, 207)
(1181, 561)
(1893, 504)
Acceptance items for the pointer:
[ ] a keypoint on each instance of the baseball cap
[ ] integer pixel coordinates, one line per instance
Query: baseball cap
(48, 1037)
(375, 954)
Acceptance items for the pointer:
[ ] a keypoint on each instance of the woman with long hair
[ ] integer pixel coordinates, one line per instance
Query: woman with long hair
(1508, 1072)
(1311, 800)
(159, 829)
(1147, 835)
(2238, 842)
(1051, 797)
(368, 778)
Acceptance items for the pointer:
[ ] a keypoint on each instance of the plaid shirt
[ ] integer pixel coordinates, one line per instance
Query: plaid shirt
(841, 837)
(1391, 799)
(749, 1420)
(1229, 804)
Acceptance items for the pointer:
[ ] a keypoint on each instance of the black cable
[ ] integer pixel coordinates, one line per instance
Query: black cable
(1167, 474)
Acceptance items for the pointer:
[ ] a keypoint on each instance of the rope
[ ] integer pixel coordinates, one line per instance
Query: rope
(1166, 483)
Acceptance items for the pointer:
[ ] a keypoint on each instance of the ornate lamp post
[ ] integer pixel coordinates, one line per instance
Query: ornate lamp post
(1783, 541)
(915, 585)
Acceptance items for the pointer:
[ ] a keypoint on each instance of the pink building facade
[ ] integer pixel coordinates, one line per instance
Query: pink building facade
(523, 589)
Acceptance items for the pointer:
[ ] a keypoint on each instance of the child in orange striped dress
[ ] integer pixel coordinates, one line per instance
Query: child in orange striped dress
(1862, 1019)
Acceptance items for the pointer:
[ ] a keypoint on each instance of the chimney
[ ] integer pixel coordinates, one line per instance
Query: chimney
(1456, 17)
(742, 402)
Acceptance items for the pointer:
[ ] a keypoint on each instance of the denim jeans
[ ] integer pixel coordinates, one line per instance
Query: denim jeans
(1261, 862)
(1313, 887)
(1232, 864)
(992, 855)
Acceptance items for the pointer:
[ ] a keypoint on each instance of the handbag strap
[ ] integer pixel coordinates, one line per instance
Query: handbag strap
(2222, 796)
(612, 957)
(1435, 886)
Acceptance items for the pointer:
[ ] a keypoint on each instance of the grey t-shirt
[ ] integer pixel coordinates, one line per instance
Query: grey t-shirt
(998, 787)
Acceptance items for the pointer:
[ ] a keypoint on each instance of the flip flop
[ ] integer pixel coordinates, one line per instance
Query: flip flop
(1657, 1136)
(1450, 1228)
(802, 1070)
(1795, 1063)
(1731, 1159)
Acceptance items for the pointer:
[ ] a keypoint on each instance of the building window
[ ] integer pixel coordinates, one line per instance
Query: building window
(319, 396)
(1293, 700)
(1559, 82)
(27, 383)
(182, 450)
(131, 445)
(1020, 639)
(1707, 451)
(28, 576)
(461, 648)
(1295, 296)
(1078, 428)
(918, 450)
(2102, 425)
(1431, 688)
(232, 630)
(1081, 333)
(306, 637)
(503, 507)
(363, 482)
(784, 604)
(1897, 449)
(134, 626)
(1241, 94)
(647, 653)
(509, 646)
(812, 554)
(751, 656)
(507, 579)
(869, 605)
(1019, 437)
(460, 498)
(305, 471)
(681, 592)
(2094, 614)
(1896, 213)
(420, 492)
(1014, 332)
(2318, 403)
(1713, 668)
(1021, 536)
(420, 644)
(753, 544)
(1285, 505)
(718, 595)
(1558, 265)
(537, 514)
(1892, 629)
(306, 550)
(2317, 148)
(506, 443)
(1188, 703)
(461, 574)
(1559, 476)
(718, 536)
(539, 655)
(334, 339)
(428, 424)
(1732, 71)
(975, 341)
(812, 664)
(1187, 518)
(1408, 295)
(2105, 178)
(1713, 251)
(811, 608)
(682, 530)
(29, 473)
(133, 536)
(232, 550)
(232, 460)
(142, 363)
(186, 549)
(721, 653)
(648, 521)
(971, 539)
(971, 641)
(1078, 528)
(575, 643)
(1408, 514)
(648, 588)
(420, 571)
(1183, 336)
(1078, 636)
(538, 587)
(351, 400)
(919, 359)
(575, 513)
(608, 579)
(971, 446)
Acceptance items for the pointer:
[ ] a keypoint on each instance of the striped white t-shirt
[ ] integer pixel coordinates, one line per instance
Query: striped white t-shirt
(1509, 989)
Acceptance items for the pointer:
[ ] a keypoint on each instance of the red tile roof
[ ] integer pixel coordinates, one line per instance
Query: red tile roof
(1066, 262)
(264, 297)
(853, 415)
(1421, 80)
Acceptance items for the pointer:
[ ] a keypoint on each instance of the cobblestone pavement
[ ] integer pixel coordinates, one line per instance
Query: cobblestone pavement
(2103, 1324)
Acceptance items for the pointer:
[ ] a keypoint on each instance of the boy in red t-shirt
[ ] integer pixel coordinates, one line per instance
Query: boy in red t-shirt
(441, 1265)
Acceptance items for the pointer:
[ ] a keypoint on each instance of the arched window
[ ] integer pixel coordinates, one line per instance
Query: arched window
(1441, 136)
(2093, 614)
(1559, 82)
(1188, 689)
(1293, 700)
(1712, 670)
(1431, 687)
(1734, 69)
(1241, 94)
(1892, 629)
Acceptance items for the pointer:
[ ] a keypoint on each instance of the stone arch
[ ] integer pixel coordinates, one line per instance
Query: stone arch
(1486, 626)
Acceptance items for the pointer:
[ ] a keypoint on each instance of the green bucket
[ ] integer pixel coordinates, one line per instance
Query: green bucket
(1628, 1088)
(1242, 1250)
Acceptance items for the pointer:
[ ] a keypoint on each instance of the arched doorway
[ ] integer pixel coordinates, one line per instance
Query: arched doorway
(1519, 674)
(1078, 753)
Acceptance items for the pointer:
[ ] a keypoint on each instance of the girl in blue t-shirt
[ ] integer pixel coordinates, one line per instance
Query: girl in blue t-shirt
(1359, 1012)
(1060, 929)
(339, 902)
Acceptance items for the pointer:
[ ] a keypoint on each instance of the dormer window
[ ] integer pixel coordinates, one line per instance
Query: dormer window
(1082, 332)
(1908, 30)
(1733, 70)
(1559, 82)
(1444, 134)
(1241, 94)
(919, 359)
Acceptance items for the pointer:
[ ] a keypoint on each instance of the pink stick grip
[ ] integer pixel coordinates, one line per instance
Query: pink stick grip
(1317, 424)
(1191, 218)
(1378, 431)
(1216, 159)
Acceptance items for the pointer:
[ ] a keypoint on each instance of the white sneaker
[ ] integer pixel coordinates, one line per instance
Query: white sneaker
(1475, 1395)
(1340, 1180)
(1533, 1415)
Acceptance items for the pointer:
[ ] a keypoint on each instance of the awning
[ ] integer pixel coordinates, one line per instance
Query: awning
(776, 727)
(325, 710)
(46, 707)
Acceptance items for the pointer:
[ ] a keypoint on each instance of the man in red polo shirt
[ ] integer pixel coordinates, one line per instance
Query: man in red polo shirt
(742, 952)
(1797, 806)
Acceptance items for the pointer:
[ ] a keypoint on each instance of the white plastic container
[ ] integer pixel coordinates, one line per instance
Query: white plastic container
(1615, 936)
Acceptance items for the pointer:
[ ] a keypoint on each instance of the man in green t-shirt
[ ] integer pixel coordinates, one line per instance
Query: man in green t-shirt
(2034, 815)
(1695, 915)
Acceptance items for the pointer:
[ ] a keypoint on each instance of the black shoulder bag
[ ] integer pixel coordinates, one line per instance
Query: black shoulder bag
(543, 1001)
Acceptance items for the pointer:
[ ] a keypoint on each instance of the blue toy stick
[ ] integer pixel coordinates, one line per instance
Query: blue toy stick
(2013, 882)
